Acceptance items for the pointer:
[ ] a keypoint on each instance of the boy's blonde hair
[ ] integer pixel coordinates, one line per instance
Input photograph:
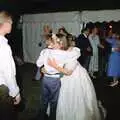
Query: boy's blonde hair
(4, 17)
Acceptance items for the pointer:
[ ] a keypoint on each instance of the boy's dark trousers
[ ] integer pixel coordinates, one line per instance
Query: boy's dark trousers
(7, 111)
(50, 94)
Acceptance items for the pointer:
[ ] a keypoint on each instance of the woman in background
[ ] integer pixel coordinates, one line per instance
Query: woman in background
(114, 59)
(95, 43)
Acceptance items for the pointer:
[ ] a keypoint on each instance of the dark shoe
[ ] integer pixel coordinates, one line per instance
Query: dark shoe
(114, 83)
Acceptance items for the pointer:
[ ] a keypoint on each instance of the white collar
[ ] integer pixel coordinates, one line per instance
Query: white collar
(3, 39)
(85, 35)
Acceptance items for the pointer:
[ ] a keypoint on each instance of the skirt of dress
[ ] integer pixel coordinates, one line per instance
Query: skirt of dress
(77, 100)
(93, 66)
(114, 65)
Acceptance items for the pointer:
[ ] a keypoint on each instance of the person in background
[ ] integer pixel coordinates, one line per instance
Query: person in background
(9, 90)
(113, 63)
(95, 43)
(104, 52)
(83, 43)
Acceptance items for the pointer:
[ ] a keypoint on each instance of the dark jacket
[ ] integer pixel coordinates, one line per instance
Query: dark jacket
(83, 43)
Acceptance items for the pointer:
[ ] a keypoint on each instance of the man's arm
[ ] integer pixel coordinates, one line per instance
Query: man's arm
(7, 67)
(80, 42)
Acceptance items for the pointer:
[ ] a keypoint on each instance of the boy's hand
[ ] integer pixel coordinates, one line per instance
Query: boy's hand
(43, 70)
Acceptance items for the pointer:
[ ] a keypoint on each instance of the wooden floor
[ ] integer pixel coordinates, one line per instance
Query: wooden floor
(109, 96)
(31, 93)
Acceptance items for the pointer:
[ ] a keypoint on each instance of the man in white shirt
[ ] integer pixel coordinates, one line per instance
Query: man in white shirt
(8, 85)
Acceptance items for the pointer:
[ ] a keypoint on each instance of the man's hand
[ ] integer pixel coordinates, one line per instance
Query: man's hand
(89, 49)
(115, 49)
(101, 46)
(17, 99)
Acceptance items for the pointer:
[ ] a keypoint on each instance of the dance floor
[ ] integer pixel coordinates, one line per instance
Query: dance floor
(109, 96)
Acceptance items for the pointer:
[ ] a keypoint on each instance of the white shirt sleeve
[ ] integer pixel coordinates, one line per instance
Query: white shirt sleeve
(40, 60)
(7, 70)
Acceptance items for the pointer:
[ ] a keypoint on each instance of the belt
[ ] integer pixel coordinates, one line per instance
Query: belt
(56, 75)
(53, 73)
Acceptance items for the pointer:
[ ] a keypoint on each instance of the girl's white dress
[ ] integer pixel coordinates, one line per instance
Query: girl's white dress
(77, 99)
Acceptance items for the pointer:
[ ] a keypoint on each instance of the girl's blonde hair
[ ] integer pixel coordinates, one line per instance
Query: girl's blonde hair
(63, 41)
(60, 39)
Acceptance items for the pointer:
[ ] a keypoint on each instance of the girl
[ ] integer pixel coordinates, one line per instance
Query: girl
(77, 99)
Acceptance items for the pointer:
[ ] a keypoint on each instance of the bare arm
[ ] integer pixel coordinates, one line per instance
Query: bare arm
(53, 63)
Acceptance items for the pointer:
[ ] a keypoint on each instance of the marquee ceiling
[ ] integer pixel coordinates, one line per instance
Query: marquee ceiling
(38, 6)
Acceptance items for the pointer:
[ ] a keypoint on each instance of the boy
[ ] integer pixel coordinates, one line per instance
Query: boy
(51, 79)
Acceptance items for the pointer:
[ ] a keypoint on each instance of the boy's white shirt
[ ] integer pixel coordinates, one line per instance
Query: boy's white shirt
(62, 57)
(7, 68)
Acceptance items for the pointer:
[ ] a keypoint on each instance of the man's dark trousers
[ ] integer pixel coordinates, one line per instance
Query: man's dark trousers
(7, 111)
